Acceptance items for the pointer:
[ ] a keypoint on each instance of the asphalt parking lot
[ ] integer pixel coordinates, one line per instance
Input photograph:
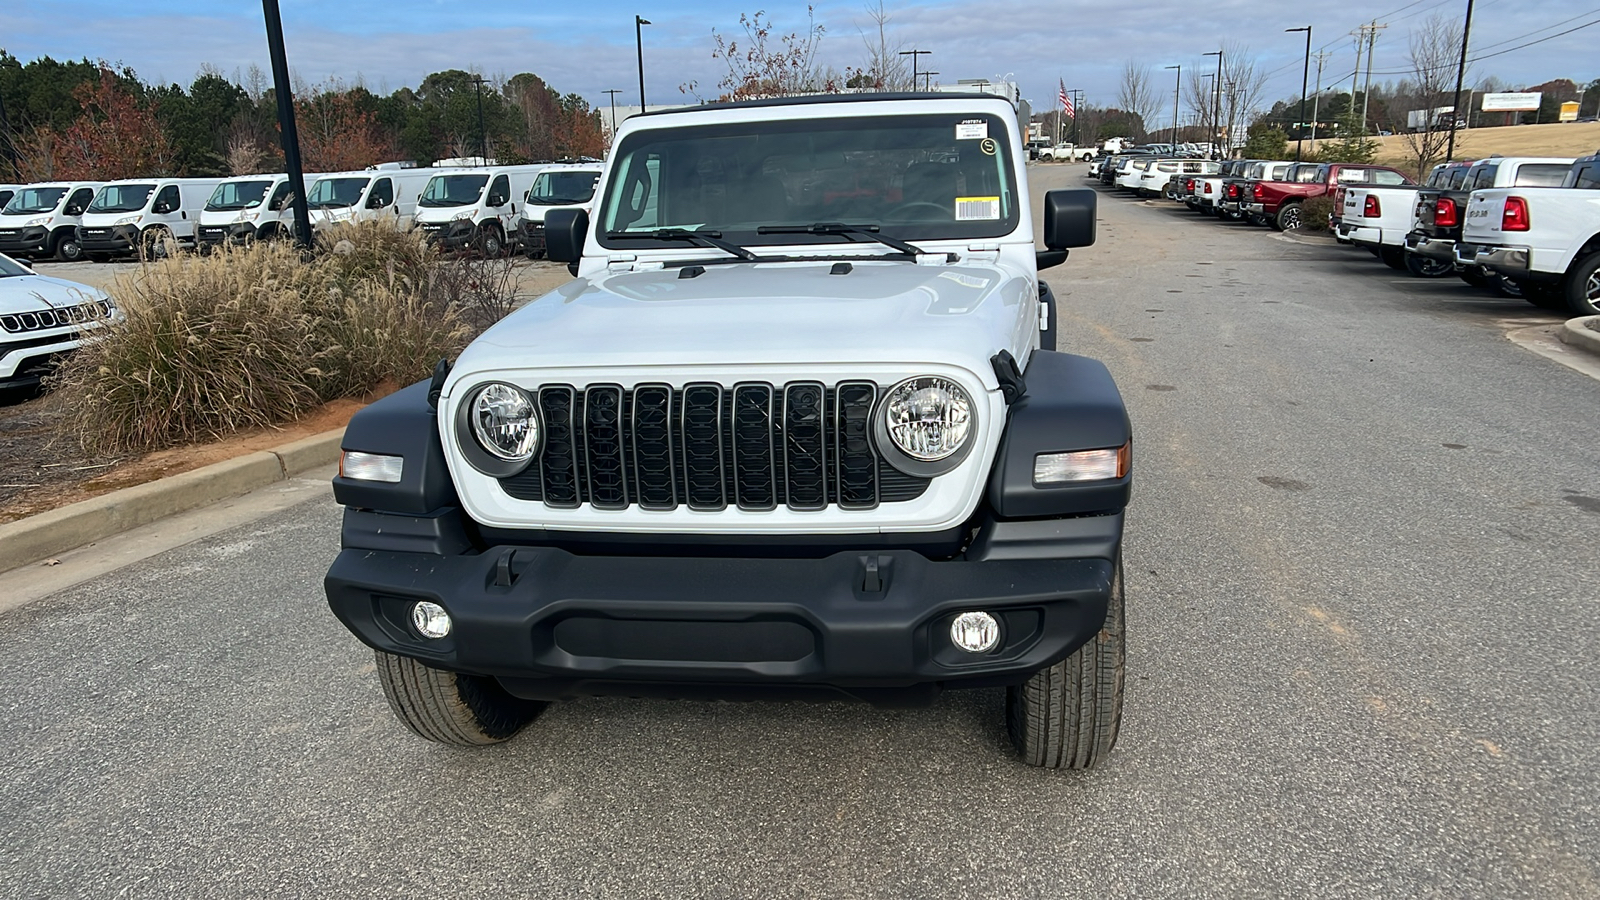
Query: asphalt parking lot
(1363, 660)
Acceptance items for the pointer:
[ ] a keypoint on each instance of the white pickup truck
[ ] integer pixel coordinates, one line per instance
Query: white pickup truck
(1066, 153)
(1378, 217)
(1546, 238)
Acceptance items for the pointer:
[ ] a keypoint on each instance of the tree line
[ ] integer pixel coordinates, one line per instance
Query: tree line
(90, 120)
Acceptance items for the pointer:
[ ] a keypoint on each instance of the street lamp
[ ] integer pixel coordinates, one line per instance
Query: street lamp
(1216, 114)
(914, 54)
(286, 127)
(638, 40)
(1305, 78)
(1177, 85)
(613, 95)
(1461, 74)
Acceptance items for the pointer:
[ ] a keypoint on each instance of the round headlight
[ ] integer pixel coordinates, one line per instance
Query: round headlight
(928, 418)
(504, 423)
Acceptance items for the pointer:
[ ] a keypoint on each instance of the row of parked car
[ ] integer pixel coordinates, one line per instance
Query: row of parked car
(492, 209)
(1526, 227)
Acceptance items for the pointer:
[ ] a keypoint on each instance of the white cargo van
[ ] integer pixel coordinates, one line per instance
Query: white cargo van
(368, 195)
(475, 207)
(557, 187)
(239, 207)
(42, 219)
(148, 216)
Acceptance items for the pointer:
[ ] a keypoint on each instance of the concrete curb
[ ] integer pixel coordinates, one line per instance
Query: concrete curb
(59, 530)
(1577, 333)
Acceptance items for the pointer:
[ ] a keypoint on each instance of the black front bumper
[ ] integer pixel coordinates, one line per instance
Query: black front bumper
(24, 241)
(533, 236)
(870, 624)
(115, 239)
(456, 235)
(239, 234)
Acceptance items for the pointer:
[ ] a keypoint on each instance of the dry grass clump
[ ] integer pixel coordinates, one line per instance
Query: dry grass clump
(254, 337)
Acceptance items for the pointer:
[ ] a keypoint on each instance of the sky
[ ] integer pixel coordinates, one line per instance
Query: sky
(588, 47)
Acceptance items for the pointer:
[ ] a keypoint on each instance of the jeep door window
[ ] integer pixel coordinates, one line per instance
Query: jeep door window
(231, 195)
(452, 190)
(122, 198)
(563, 188)
(922, 177)
(1541, 175)
(34, 200)
(336, 193)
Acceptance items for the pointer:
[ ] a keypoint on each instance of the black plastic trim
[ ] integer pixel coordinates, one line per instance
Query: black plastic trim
(400, 424)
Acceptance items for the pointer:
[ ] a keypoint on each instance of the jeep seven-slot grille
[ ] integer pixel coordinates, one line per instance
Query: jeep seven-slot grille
(754, 446)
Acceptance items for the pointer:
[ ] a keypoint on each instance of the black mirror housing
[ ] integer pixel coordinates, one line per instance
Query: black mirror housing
(1069, 218)
(564, 233)
(496, 200)
(161, 209)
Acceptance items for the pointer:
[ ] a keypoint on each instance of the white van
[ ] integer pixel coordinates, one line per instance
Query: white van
(475, 207)
(368, 195)
(42, 219)
(557, 187)
(239, 207)
(149, 216)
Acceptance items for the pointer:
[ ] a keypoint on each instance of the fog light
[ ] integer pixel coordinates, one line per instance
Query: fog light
(975, 632)
(430, 620)
(371, 467)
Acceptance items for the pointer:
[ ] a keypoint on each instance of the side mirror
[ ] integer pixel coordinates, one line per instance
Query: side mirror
(161, 209)
(564, 234)
(72, 211)
(1069, 218)
(497, 200)
(375, 203)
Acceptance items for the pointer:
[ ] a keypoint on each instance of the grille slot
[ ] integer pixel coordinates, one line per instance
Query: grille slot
(754, 446)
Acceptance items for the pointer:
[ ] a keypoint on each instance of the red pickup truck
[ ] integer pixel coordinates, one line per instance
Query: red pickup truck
(1278, 202)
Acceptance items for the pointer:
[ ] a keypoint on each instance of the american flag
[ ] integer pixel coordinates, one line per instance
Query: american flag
(1066, 102)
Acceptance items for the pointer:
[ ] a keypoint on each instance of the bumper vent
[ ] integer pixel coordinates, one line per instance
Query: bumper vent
(755, 446)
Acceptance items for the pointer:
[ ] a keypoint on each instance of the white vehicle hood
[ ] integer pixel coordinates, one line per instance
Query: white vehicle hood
(31, 293)
(880, 312)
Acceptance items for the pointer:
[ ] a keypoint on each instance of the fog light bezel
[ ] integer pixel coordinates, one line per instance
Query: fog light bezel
(980, 619)
(424, 611)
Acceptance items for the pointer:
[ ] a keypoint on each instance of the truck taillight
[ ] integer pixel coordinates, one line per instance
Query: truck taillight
(1515, 217)
(1233, 192)
(1205, 186)
(1372, 208)
(1188, 184)
(1445, 214)
(1259, 193)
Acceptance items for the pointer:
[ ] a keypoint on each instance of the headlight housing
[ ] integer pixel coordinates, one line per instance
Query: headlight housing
(34, 223)
(925, 425)
(127, 220)
(498, 429)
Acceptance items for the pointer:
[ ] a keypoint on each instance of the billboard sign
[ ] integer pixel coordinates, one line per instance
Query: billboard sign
(1569, 111)
(1511, 102)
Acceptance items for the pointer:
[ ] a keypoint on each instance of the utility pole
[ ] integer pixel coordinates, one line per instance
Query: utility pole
(1366, 94)
(483, 134)
(1305, 73)
(1316, 99)
(1461, 75)
(1177, 85)
(914, 53)
(290, 134)
(1216, 110)
(928, 83)
(613, 95)
(638, 40)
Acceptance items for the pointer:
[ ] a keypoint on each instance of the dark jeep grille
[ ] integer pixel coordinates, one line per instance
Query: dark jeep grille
(755, 446)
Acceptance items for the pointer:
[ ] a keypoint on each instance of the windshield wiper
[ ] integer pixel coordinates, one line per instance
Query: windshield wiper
(703, 238)
(840, 228)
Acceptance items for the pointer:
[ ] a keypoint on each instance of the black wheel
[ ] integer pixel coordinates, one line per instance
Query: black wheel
(1505, 287)
(1427, 266)
(1393, 257)
(1476, 277)
(156, 244)
(1067, 716)
(1582, 286)
(1544, 294)
(464, 710)
(1288, 217)
(489, 242)
(67, 247)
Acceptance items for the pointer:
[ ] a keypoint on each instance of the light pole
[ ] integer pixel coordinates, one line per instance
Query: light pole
(483, 134)
(613, 95)
(291, 135)
(928, 82)
(1305, 78)
(638, 40)
(1078, 101)
(1216, 114)
(1205, 113)
(1177, 85)
(1461, 74)
(914, 54)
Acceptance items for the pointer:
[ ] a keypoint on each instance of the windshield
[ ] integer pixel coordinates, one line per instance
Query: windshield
(237, 195)
(9, 268)
(557, 188)
(453, 190)
(35, 200)
(331, 193)
(120, 198)
(918, 177)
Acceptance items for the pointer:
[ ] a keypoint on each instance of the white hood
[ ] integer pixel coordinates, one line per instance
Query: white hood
(32, 293)
(878, 313)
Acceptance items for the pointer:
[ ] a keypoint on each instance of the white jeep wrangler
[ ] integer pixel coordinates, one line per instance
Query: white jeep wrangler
(797, 428)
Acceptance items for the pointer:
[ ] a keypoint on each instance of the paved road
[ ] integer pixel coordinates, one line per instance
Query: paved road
(1363, 612)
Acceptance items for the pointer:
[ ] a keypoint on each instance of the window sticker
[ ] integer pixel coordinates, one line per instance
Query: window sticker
(972, 130)
(988, 146)
(974, 209)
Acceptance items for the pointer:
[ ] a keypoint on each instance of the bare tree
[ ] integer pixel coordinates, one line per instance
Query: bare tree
(886, 69)
(1242, 86)
(1135, 94)
(766, 64)
(1435, 53)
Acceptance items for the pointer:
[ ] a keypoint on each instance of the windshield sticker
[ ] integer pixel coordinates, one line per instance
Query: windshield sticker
(988, 146)
(967, 281)
(972, 130)
(973, 209)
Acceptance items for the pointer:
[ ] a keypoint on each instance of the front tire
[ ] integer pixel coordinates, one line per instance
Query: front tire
(1582, 286)
(489, 242)
(451, 708)
(67, 248)
(1068, 716)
